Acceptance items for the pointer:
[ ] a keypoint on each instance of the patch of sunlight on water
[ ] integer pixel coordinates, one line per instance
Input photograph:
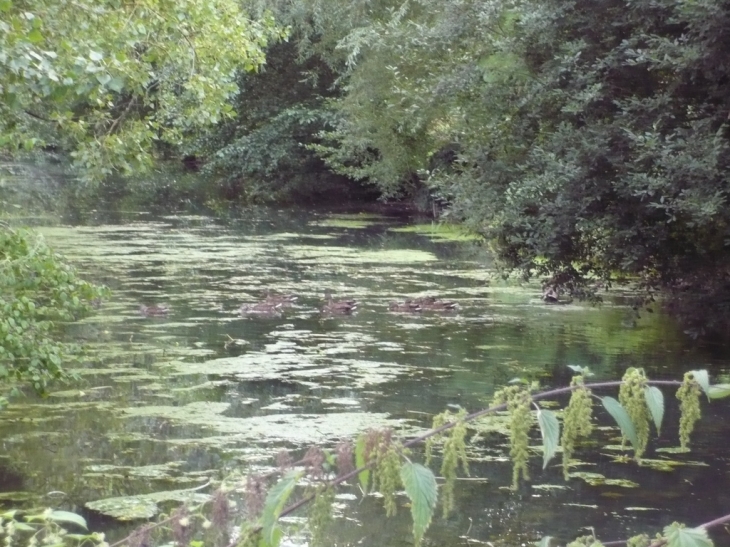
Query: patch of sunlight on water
(168, 403)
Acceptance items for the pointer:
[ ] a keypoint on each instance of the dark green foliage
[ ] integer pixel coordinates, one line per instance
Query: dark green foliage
(263, 154)
(611, 156)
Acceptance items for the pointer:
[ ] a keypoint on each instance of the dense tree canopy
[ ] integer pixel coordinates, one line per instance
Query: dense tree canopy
(112, 81)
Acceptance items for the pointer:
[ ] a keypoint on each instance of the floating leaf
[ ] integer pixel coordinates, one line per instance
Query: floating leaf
(67, 516)
(275, 501)
(702, 378)
(420, 485)
(679, 536)
(550, 431)
(363, 476)
(622, 418)
(719, 391)
(655, 402)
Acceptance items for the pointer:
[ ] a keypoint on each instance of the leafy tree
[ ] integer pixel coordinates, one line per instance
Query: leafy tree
(262, 154)
(111, 81)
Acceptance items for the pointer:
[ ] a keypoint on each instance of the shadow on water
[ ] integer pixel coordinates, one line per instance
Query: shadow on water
(167, 403)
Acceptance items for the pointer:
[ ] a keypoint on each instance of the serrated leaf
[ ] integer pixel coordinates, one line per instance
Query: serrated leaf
(702, 378)
(67, 516)
(655, 402)
(275, 501)
(545, 541)
(550, 431)
(677, 536)
(622, 418)
(363, 476)
(719, 391)
(420, 486)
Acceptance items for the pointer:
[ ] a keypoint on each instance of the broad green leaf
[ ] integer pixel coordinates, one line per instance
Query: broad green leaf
(550, 431)
(619, 414)
(363, 476)
(67, 516)
(702, 378)
(115, 84)
(545, 541)
(275, 501)
(655, 402)
(420, 486)
(678, 536)
(719, 391)
(23, 527)
(96, 55)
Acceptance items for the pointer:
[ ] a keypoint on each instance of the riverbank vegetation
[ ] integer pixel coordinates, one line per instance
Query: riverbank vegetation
(587, 143)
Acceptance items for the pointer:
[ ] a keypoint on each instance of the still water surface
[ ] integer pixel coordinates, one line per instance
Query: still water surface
(168, 403)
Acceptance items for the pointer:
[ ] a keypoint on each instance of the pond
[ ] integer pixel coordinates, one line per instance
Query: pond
(166, 404)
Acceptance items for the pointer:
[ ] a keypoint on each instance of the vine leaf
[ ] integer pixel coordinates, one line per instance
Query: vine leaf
(719, 391)
(655, 401)
(622, 418)
(363, 476)
(550, 431)
(420, 485)
(678, 536)
(702, 378)
(275, 501)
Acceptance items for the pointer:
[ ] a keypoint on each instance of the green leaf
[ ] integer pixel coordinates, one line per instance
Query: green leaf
(275, 501)
(420, 486)
(702, 378)
(550, 431)
(363, 476)
(35, 36)
(619, 414)
(23, 527)
(67, 516)
(678, 536)
(719, 391)
(115, 84)
(545, 541)
(96, 55)
(655, 401)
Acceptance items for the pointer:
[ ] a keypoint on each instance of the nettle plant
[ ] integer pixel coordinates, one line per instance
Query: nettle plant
(385, 464)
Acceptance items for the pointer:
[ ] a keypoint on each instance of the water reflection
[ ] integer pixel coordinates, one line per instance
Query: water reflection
(168, 402)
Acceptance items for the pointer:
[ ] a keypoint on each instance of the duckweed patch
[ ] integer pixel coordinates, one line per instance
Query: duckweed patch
(143, 506)
(439, 232)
